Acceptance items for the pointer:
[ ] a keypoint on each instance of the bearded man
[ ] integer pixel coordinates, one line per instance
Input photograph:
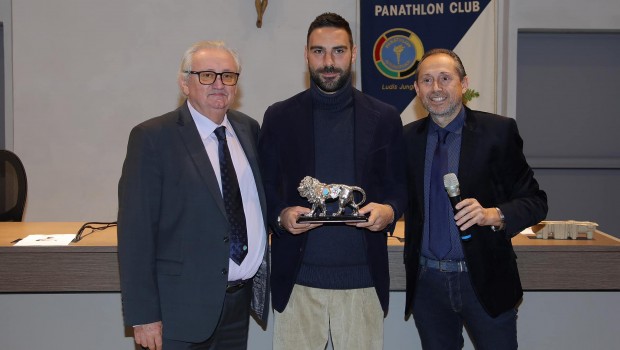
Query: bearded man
(331, 279)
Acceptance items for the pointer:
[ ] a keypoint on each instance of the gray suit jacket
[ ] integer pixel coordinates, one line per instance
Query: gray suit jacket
(173, 232)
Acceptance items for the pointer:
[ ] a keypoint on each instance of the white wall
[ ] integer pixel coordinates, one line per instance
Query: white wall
(5, 18)
(85, 71)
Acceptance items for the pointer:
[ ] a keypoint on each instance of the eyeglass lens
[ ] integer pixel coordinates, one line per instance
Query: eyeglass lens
(208, 77)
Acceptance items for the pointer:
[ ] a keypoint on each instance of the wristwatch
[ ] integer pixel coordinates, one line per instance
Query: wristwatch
(280, 223)
(502, 225)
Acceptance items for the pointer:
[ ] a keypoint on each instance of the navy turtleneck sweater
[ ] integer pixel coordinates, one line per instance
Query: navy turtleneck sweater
(335, 255)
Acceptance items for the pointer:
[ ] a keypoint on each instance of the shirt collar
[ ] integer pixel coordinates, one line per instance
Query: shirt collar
(206, 126)
(456, 125)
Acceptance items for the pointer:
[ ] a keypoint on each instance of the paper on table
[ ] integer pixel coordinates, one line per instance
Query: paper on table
(46, 240)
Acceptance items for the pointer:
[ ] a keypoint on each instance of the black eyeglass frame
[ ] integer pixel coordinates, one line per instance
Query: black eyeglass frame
(91, 225)
(220, 75)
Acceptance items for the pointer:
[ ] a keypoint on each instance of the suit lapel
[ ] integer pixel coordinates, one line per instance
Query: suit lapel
(248, 143)
(366, 122)
(469, 145)
(305, 140)
(198, 154)
(417, 157)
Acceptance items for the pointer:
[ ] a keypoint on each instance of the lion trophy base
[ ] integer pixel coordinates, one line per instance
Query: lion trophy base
(332, 219)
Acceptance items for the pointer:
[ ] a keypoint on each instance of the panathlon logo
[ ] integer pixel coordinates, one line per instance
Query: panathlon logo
(397, 53)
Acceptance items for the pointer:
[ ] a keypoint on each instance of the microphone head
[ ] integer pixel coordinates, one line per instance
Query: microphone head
(451, 183)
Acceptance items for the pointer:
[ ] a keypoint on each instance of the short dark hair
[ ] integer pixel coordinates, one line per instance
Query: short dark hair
(333, 20)
(459, 65)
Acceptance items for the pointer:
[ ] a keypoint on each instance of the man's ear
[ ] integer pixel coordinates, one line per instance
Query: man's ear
(353, 54)
(306, 54)
(182, 81)
(465, 83)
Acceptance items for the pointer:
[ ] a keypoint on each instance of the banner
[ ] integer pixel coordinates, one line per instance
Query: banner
(395, 34)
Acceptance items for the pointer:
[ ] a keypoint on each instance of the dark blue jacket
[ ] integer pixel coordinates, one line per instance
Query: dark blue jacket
(286, 148)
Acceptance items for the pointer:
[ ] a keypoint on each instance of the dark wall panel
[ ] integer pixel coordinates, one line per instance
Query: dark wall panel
(568, 89)
(584, 195)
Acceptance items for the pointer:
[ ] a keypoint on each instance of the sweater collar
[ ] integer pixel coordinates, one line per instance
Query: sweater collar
(335, 101)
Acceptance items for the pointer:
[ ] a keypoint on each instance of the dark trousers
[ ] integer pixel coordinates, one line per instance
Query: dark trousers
(444, 301)
(232, 330)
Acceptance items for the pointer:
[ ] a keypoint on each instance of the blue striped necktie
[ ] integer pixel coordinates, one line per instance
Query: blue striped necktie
(232, 200)
(439, 229)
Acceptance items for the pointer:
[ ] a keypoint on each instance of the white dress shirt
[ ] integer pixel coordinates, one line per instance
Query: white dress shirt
(257, 236)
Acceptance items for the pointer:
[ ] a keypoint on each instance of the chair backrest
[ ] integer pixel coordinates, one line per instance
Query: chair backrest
(13, 187)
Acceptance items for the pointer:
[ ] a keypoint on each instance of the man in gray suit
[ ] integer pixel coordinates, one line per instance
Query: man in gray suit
(192, 238)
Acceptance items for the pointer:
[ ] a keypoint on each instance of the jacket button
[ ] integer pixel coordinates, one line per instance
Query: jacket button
(224, 271)
(226, 239)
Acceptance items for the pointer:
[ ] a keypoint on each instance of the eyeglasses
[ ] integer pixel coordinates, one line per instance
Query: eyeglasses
(207, 77)
(90, 225)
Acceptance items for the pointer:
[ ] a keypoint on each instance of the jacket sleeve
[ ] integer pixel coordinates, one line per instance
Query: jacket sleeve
(526, 204)
(395, 190)
(271, 169)
(139, 192)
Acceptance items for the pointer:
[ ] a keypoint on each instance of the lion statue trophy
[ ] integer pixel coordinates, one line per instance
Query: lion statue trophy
(318, 193)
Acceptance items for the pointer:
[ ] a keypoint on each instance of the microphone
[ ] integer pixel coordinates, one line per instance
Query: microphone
(451, 183)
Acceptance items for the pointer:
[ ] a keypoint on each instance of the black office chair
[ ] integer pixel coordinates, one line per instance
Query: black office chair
(13, 187)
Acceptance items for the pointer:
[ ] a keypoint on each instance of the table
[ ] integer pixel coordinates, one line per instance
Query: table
(545, 264)
(91, 265)
(87, 266)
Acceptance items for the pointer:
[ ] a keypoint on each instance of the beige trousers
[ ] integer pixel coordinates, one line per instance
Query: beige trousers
(353, 317)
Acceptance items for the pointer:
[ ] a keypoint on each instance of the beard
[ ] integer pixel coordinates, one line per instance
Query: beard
(330, 85)
(451, 109)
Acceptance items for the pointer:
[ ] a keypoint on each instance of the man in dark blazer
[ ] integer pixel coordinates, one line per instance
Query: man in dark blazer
(180, 286)
(336, 134)
(451, 281)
